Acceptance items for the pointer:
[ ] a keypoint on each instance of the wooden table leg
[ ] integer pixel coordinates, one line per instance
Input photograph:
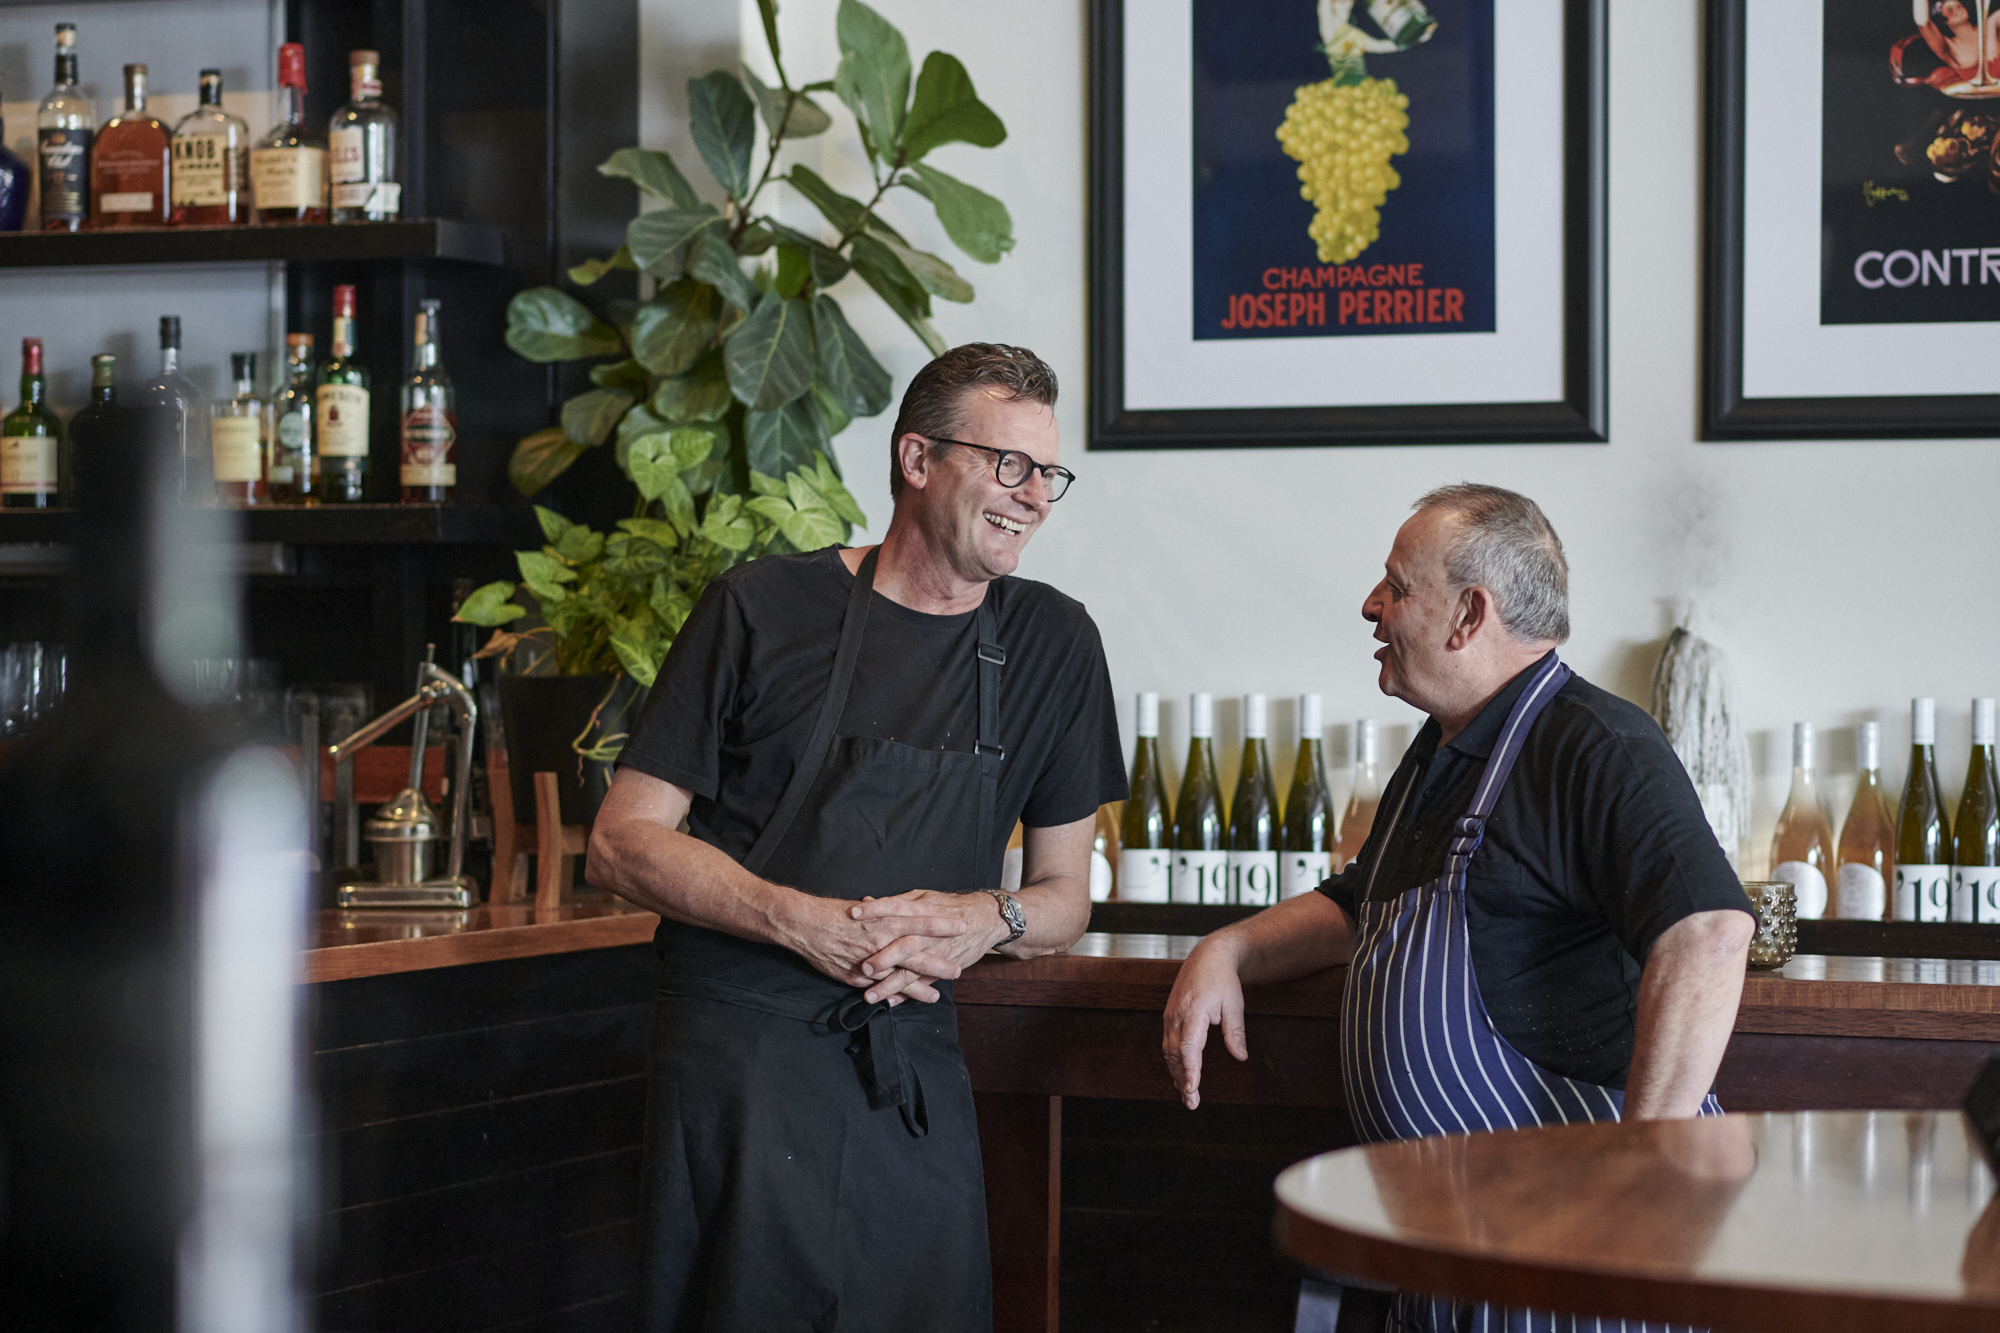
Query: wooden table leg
(1020, 1142)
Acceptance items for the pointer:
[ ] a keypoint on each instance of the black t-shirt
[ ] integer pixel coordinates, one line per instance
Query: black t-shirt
(1596, 846)
(738, 694)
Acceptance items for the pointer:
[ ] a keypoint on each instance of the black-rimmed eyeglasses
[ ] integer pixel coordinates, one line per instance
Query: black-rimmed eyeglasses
(1012, 468)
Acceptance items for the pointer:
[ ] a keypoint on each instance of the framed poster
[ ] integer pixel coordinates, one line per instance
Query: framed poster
(1853, 280)
(1330, 222)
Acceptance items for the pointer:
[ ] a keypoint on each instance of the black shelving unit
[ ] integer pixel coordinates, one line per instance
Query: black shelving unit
(411, 238)
(331, 525)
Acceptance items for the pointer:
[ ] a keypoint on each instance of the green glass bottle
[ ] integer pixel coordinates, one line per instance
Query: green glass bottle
(1975, 870)
(1923, 830)
(1146, 825)
(31, 440)
(341, 412)
(1306, 843)
(1201, 862)
(1253, 814)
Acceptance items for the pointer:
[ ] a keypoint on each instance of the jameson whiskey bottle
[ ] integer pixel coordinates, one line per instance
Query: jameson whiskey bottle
(63, 130)
(30, 440)
(341, 411)
(430, 421)
(1146, 824)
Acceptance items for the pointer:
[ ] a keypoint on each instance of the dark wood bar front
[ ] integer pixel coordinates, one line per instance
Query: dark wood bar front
(480, 1077)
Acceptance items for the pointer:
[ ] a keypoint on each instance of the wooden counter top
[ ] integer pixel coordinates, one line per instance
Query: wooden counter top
(371, 942)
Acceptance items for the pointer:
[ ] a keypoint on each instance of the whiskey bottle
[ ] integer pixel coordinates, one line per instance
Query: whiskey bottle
(103, 393)
(288, 165)
(340, 411)
(63, 127)
(239, 432)
(130, 164)
(30, 440)
(15, 181)
(211, 174)
(294, 460)
(361, 144)
(175, 392)
(430, 421)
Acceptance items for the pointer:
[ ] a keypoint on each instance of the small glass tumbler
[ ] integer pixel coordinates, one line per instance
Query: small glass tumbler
(1777, 908)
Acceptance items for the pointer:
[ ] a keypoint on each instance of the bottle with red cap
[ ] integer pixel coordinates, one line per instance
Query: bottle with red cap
(340, 406)
(30, 439)
(288, 165)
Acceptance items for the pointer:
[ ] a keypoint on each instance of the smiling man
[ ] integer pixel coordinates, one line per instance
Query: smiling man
(851, 736)
(1540, 927)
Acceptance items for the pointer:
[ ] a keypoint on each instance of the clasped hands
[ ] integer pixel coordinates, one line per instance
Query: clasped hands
(895, 948)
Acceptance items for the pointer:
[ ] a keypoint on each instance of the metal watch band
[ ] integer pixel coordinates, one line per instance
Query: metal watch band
(1011, 913)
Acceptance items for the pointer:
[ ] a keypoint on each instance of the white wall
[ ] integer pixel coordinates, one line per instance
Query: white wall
(1841, 578)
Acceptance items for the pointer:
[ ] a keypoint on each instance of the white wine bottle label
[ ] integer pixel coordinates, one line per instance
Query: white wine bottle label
(343, 420)
(238, 447)
(1808, 887)
(28, 465)
(1862, 895)
(1253, 878)
(1302, 872)
(1200, 877)
(205, 171)
(1981, 887)
(1923, 893)
(1143, 875)
(384, 197)
(288, 177)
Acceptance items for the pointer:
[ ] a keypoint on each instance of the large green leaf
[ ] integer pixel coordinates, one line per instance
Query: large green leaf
(710, 259)
(540, 458)
(671, 331)
(874, 73)
(938, 278)
(799, 115)
(544, 575)
(638, 423)
(828, 264)
(793, 271)
(859, 382)
(827, 482)
(544, 324)
(842, 212)
(553, 525)
(723, 121)
(657, 240)
(898, 287)
(727, 525)
(655, 530)
(628, 375)
(629, 554)
(580, 546)
(702, 394)
(590, 270)
(976, 222)
(654, 172)
(833, 418)
(784, 439)
(654, 471)
(946, 110)
(770, 359)
(590, 417)
(491, 606)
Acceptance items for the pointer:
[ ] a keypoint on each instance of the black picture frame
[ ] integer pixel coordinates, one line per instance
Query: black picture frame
(1579, 416)
(1726, 414)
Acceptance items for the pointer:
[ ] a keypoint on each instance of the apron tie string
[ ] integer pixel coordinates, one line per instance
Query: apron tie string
(885, 1071)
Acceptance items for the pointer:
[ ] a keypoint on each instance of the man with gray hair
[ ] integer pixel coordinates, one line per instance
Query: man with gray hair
(1541, 926)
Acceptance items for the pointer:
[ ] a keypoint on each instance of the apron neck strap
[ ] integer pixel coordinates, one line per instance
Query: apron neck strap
(987, 745)
(1470, 830)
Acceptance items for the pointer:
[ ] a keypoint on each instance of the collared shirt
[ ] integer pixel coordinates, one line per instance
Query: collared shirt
(1596, 846)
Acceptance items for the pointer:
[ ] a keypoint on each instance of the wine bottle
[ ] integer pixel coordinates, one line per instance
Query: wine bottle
(1103, 854)
(1363, 796)
(1923, 831)
(1975, 874)
(1308, 835)
(1867, 838)
(341, 416)
(1253, 815)
(1145, 828)
(30, 440)
(1201, 863)
(1802, 849)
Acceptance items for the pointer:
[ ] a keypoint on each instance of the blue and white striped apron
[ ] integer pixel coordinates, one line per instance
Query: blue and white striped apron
(1420, 1053)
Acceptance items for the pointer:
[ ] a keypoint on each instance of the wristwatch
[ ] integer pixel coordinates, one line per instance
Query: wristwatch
(1010, 912)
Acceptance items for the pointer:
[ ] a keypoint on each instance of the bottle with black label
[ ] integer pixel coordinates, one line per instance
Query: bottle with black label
(1975, 873)
(1201, 861)
(64, 126)
(1306, 847)
(1145, 827)
(1923, 831)
(1253, 815)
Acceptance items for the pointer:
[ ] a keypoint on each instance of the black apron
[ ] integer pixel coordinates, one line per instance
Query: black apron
(812, 1160)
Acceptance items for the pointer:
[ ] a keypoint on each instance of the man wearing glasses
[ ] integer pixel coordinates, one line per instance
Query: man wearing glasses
(850, 736)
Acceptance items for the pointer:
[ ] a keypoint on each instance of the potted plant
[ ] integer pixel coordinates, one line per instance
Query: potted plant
(721, 392)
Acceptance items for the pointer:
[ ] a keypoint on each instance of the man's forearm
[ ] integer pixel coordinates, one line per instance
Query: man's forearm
(1055, 888)
(1298, 936)
(684, 879)
(1687, 1008)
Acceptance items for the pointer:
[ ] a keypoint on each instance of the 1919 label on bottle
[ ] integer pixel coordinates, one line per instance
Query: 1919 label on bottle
(288, 177)
(238, 444)
(1976, 891)
(65, 172)
(206, 171)
(1923, 893)
(1253, 878)
(1201, 877)
(1808, 887)
(1143, 875)
(343, 418)
(1302, 872)
(28, 465)
(1863, 896)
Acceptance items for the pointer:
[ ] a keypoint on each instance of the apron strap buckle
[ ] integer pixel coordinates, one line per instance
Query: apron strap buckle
(992, 652)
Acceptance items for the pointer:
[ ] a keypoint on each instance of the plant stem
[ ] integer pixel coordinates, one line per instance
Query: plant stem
(868, 209)
(770, 160)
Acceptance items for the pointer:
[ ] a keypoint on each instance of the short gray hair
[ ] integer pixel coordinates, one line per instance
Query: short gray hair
(1505, 545)
(934, 404)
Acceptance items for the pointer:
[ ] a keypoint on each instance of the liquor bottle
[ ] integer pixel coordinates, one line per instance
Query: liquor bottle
(103, 393)
(1145, 827)
(30, 440)
(1923, 831)
(1975, 874)
(361, 148)
(1363, 796)
(62, 142)
(239, 429)
(1802, 848)
(1253, 814)
(15, 182)
(211, 162)
(1201, 863)
(175, 392)
(288, 165)
(341, 411)
(294, 460)
(1867, 838)
(1308, 838)
(131, 164)
(430, 420)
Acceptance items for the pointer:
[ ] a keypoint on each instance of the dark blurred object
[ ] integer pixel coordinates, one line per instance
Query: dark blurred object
(1960, 144)
(1982, 1108)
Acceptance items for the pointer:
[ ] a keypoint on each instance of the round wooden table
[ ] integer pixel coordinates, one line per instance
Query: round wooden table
(1813, 1220)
